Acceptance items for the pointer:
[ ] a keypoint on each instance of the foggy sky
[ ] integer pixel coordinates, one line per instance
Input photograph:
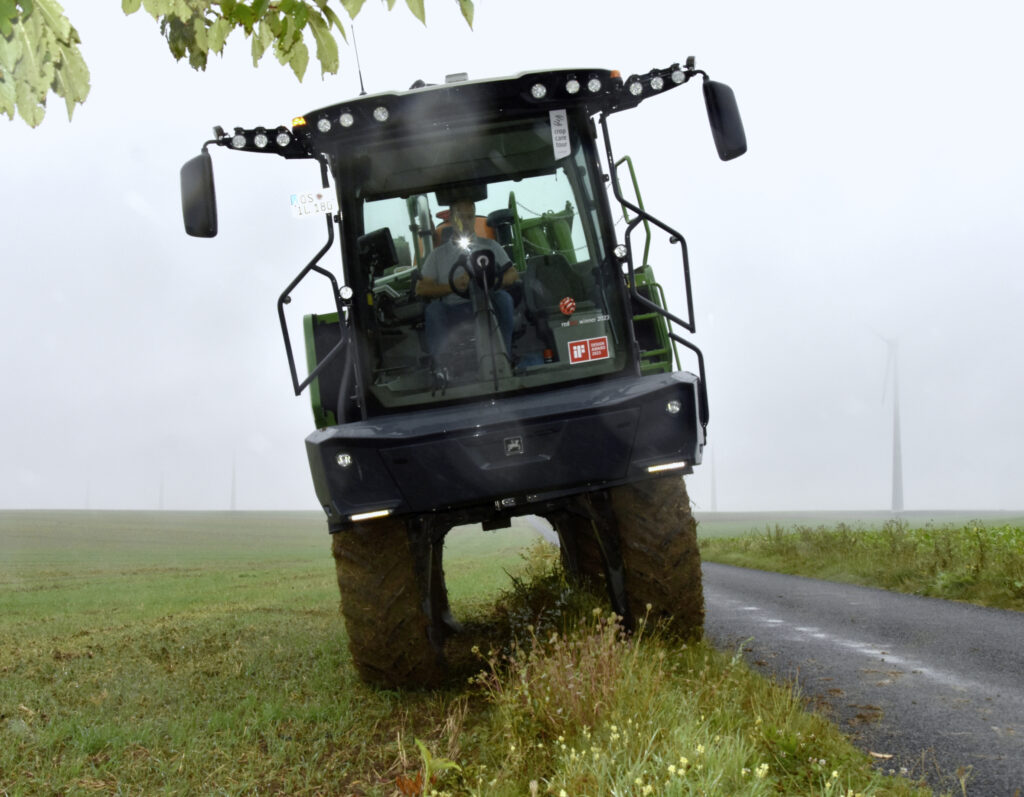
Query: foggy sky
(881, 197)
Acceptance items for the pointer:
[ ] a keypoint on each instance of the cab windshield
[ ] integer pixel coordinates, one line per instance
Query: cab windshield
(483, 265)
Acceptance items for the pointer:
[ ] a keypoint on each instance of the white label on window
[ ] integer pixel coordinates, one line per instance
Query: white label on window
(313, 203)
(560, 134)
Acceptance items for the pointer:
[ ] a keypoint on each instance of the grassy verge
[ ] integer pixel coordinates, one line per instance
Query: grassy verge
(976, 562)
(204, 654)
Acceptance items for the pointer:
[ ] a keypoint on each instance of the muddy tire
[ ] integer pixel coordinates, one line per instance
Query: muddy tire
(658, 536)
(576, 534)
(384, 615)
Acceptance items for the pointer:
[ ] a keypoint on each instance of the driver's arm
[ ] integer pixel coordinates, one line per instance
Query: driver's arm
(429, 288)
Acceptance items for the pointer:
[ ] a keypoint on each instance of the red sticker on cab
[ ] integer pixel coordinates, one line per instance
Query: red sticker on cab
(582, 351)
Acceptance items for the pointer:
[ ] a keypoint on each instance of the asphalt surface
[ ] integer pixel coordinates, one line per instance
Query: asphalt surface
(928, 686)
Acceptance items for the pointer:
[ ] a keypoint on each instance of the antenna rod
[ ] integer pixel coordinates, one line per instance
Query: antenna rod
(359, 69)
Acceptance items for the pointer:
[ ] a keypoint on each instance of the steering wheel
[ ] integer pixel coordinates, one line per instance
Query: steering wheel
(481, 267)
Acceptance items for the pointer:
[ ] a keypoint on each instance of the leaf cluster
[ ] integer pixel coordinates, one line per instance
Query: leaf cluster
(195, 28)
(38, 54)
(39, 46)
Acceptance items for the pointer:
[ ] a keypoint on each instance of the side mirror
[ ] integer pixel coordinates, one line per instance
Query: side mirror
(724, 116)
(198, 200)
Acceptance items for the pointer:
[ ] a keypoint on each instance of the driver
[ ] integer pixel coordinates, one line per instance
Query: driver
(441, 317)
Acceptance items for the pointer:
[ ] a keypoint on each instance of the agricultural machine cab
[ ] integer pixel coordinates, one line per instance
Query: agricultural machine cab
(494, 348)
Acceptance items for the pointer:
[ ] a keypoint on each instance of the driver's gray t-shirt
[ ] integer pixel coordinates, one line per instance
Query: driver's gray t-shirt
(440, 262)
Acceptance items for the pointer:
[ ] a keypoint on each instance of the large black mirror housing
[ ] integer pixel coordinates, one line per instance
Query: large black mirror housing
(198, 200)
(724, 116)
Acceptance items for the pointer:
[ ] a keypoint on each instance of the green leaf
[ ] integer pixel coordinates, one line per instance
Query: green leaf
(299, 60)
(31, 104)
(201, 40)
(466, 6)
(8, 101)
(277, 24)
(242, 15)
(130, 6)
(418, 11)
(157, 8)
(326, 46)
(333, 19)
(71, 80)
(262, 38)
(353, 7)
(55, 21)
(218, 34)
(34, 67)
(10, 54)
(259, 7)
(8, 13)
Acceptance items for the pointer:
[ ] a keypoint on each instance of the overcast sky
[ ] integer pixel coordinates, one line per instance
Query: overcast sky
(882, 196)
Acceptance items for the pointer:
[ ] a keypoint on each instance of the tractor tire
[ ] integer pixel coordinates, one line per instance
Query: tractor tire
(658, 538)
(576, 534)
(380, 601)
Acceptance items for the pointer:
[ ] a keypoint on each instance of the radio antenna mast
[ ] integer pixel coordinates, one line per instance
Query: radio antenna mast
(359, 69)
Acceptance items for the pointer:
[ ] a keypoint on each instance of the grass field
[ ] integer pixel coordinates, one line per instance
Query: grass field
(736, 524)
(203, 653)
(957, 556)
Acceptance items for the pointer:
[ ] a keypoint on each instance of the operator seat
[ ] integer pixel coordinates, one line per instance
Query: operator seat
(550, 279)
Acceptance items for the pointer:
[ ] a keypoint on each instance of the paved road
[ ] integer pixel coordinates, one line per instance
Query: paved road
(916, 678)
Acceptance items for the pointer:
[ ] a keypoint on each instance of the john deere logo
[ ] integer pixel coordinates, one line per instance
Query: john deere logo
(513, 445)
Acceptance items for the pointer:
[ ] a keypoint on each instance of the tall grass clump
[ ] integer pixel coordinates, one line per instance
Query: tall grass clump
(971, 562)
(590, 709)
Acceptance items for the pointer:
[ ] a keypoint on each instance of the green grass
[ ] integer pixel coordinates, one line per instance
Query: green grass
(203, 653)
(734, 524)
(979, 561)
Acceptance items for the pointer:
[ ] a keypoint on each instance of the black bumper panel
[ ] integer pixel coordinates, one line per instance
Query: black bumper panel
(511, 450)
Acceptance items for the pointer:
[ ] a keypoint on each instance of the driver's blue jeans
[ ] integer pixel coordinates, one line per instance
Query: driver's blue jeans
(441, 319)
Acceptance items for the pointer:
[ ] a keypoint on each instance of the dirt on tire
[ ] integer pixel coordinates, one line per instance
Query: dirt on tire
(576, 533)
(658, 536)
(384, 617)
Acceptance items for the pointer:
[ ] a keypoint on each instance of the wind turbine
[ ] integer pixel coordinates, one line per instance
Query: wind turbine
(892, 365)
(714, 483)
